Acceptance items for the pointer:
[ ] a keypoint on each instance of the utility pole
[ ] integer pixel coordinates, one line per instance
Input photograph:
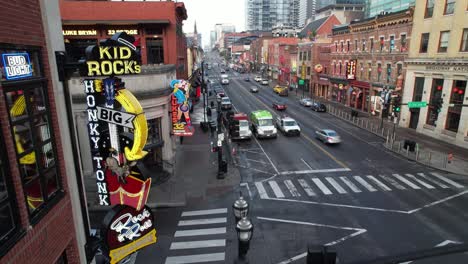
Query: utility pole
(203, 86)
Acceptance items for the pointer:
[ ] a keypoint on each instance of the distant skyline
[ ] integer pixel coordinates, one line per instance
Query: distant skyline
(207, 13)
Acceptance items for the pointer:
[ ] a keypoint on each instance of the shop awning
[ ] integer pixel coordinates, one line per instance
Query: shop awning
(115, 22)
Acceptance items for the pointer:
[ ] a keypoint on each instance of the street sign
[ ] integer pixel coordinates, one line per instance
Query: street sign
(301, 82)
(417, 104)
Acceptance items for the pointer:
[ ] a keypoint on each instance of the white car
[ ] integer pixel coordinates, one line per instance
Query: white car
(307, 102)
(258, 78)
(264, 82)
(288, 126)
(225, 81)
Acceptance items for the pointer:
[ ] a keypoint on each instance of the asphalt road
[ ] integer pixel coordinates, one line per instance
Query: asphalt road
(357, 197)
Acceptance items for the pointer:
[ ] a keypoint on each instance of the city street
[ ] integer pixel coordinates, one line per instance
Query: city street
(365, 201)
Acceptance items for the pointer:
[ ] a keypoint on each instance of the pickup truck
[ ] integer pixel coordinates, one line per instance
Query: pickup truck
(288, 126)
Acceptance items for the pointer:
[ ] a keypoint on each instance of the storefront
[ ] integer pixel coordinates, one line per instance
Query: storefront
(322, 87)
(359, 95)
(339, 90)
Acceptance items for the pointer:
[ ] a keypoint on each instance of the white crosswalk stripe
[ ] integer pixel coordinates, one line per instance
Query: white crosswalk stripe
(328, 185)
(427, 185)
(189, 239)
(292, 189)
(365, 184)
(350, 184)
(402, 179)
(276, 189)
(433, 181)
(321, 186)
(379, 183)
(335, 185)
(447, 180)
(306, 187)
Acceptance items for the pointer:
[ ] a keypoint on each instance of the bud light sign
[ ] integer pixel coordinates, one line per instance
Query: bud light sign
(17, 65)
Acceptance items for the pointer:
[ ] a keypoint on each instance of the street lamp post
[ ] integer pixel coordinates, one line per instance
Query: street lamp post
(241, 208)
(244, 230)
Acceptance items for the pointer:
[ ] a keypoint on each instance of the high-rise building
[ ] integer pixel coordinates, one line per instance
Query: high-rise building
(375, 7)
(212, 38)
(263, 15)
(345, 10)
(307, 10)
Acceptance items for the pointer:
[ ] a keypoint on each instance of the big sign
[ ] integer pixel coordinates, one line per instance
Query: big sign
(128, 230)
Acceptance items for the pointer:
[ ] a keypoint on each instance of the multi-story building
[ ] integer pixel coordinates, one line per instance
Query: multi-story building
(437, 71)
(156, 25)
(375, 7)
(220, 30)
(212, 38)
(279, 58)
(374, 49)
(263, 15)
(42, 210)
(345, 10)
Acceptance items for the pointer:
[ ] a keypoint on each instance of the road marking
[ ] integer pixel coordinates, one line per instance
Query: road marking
(365, 184)
(321, 186)
(393, 182)
(437, 202)
(427, 185)
(306, 187)
(410, 184)
(336, 185)
(292, 189)
(351, 185)
(262, 162)
(198, 244)
(261, 190)
(433, 181)
(200, 232)
(442, 244)
(379, 183)
(245, 167)
(195, 258)
(203, 221)
(248, 188)
(307, 164)
(276, 189)
(447, 180)
(251, 151)
(205, 212)
(268, 157)
(314, 171)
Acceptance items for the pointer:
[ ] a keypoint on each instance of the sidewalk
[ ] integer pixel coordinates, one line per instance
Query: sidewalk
(429, 151)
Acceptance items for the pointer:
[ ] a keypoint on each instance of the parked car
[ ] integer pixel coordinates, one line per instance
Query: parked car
(223, 71)
(318, 107)
(226, 103)
(281, 90)
(253, 89)
(288, 126)
(307, 102)
(258, 78)
(264, 82)
(279, 105)
(247, 79)
(328, 136)
(225, 81)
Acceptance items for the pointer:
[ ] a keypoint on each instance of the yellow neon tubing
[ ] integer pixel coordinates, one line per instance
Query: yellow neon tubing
(140, 131)
(18, 109)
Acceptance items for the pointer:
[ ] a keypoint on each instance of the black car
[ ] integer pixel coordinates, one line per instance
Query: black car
(318, 107)
(247, 79)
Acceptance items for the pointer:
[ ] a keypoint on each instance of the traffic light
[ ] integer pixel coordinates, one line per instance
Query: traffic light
(438, 104)
(397, 105)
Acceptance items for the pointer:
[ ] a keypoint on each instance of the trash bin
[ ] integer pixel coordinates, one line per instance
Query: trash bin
(354, 113)
(409, 144)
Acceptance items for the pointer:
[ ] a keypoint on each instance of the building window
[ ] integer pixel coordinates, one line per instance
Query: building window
(154, 131)
(362, 70)
(347, 45)
(336, 46)
(334, 69)
(464, 43)
(424, 43)
(355, 44)
(308, 70)
(325, 70)
(389, 72)
(454, 112)
(75, 48)
(363, 45)
(340, 67)
(399, 69)
(8, 209)
(342, 48)
(418, 89)
(300, 55)
(449, 7)
(369, 69)
(155, 50)
(403, 42)
(392, 43)
(379, 71)
(32, 132)
(429, 9)
(382, 43)
(372, 44)
(436, 94)
(443, 41)
(309, 55)
(155, 143)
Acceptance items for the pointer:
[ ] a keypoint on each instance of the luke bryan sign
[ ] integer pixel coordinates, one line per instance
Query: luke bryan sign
(128, 230)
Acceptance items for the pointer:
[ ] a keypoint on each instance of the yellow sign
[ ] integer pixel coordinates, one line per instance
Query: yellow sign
(118, 254)
(128, 31)
(303, 71)
(91, 32)
(340, 86)
(113, 61)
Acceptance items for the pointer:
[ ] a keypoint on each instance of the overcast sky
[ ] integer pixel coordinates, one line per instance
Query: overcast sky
(207, 13)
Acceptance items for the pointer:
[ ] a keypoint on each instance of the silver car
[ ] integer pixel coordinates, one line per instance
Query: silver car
(328, 136)
(307, 102)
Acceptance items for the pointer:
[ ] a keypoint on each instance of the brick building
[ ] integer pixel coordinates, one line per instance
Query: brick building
(157, 26)
(40, 209)
(279, 61)
(377, 47)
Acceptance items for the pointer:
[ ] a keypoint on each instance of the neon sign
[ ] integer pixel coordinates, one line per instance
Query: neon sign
(17, 65)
